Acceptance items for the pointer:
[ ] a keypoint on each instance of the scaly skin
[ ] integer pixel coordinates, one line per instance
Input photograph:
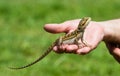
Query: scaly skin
(71, 38)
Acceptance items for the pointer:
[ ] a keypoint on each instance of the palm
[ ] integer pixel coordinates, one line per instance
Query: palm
(93, 35)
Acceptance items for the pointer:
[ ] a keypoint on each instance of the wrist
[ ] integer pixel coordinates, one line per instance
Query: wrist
(111, 31)
(106, 30)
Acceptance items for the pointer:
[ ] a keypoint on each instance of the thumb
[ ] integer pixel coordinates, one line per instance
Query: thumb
(65, 27)
(56, 28)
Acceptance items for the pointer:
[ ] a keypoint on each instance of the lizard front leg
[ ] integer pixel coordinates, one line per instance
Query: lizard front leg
(80, 41)
(77, 41)
(84, 41)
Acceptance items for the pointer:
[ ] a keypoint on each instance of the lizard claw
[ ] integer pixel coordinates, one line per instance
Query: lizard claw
(82, 44)
(85, 43)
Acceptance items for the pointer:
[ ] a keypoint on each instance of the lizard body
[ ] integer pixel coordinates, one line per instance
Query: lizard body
(71, 38)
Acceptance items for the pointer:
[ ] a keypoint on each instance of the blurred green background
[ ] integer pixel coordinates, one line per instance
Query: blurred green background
(23, 39)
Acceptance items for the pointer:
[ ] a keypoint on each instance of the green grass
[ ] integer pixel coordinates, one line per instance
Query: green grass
(23, 39)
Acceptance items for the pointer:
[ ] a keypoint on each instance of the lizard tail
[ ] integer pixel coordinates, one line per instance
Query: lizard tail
(40, 58)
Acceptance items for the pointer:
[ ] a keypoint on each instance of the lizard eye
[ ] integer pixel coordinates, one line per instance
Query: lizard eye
(82, 23)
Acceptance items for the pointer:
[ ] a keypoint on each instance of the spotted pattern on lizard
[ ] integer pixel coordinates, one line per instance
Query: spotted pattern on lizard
(71, 38)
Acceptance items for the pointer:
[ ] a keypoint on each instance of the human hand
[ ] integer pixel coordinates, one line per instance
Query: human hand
(114, 50)
(93, 35)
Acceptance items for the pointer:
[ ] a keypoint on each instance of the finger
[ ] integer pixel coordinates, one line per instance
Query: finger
(62, 27)
(111, 47)
(83, 50)
(55, 49)
(116, 54)
(114, 51)
(71, 48)
(56, 28)
(60, 49)
(66, 48)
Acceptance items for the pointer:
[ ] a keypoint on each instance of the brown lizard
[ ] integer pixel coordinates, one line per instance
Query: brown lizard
(71, 38)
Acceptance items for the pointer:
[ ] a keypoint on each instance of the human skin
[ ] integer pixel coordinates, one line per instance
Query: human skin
(107, 31)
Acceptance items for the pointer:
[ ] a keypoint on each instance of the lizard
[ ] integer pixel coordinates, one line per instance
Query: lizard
(70, 38)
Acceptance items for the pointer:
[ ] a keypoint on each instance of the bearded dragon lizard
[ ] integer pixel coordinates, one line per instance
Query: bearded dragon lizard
(71, 38)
